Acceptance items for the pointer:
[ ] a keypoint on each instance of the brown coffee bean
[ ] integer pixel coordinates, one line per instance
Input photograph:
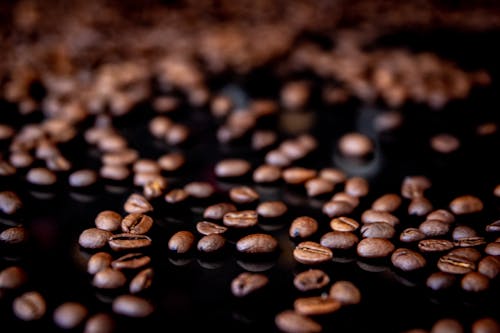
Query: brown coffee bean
(290, 321)
(199, 190)
(108, 220)
(311, 279)
(132, 306)
(316, 305)
(164, 104)
(29, 306)
(447, 326)
(467, 252)
(489, 266)
(419, 206)
(445, 143)
(343, 223)
(463, 231)
(345, 292)
(440, 280)
(58, 163)
(466, 204)
(211, 243)
(357, 187)
(318, 186)
(82, 178)
(341, 240)
(303, 227)
(243, 195)
(94, 238)
(109, 278)
(100, 323)
(432, 228)
(114, 172)
(263, 139)
(181, 241)
(14, 235)
(374, 248)
(247, 283)
(69, 315)
(355, 145)
(10, 203)
(12, 277)
(131, 261)
(342, 196)
(470, 241)
(387, 203)
(493, 249)
(298, 175)
(111, 142)
(266, 174)
(7, 170)
(136, 223)
(217, 211)
(371, 216)
(407, 260)
(120, 158)
(377, 230)
(442, 215)
(99, 261)
(493, 227)
(154, 188)
(455, 264)
(176, 195)
(232, 167)
(177, 134)
(311, 253)
(434, 245)
(241, 219)
(136, 203)
(171, 161)
(144, 165)
(336, 208)
(475, 282)
(333, 175)
(141, 281)
(41, 176)
(6, 132)
(293, 149)
(272, 209)
(208, 228)
(410, 235)
(20, 159)
(414, 186)
(123, 242)
(294, 95)
(486, 325)
(257, 244)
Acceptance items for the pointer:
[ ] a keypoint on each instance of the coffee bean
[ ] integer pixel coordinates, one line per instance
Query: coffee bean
(344, 224)
(217, 211)
(272, 209)
(12, 277)
(455, 264)
(434, 245)
(432, 228)
(199, 190)
(289, 321)
(171, 161)
(419, 206)
(241, 219)
(136, 223)
(266, 174)
(277, 158)
(154, 188)
(342, 240)
(141, 281)
(10, 203)
(377, 230)
(14, 235)
(342, 196)
(470, 241)
(442, 215)
(109, 278)
(440, 280)
(445, 143)
(247, 283)
(357, 187)
(132, 306)
(131, 261)
(176, 195)
(120, 158)
(136, 203)
(232, 167)
(303, 227)
(69, 315)
(407, 260)
(489, 266)
(111, 143)
(208, 228)
(94, 238)
(486, 325)
(262, 139)
(6, 132)
(316, 305)
(355, 145)
(387, 203)
(318, 186)
(144, 165)
(333, 175)
(20, 159)
(466, 204)
(29, 306)
(374, 248)
(99, 261)
(100, 323)
(294, 95)
(177, 134)
(6, 169)
(337, 208)
(298, 175)
(467, 252)
(345, 292)
(475, 282)
(41, 176)
(293, 149)
(311, 279)
(311, 253)
(463, 231)
(493, 249)
(108, 220)
(159, 126)
(414, 186)
(124, 242)
(211, 243)
(114, 172)
(447, 326)
(371, 216)
(257, 244)
(181, 241)
(410, 235)
(243, 195)
(493, 227)
(82, 178)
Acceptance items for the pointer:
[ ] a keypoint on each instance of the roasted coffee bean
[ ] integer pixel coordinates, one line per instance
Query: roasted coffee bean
(342, 240)
(176, 195)
(447, 326)
(136, 223)
(493, 249)
(136, 203)
(489, 266)
(433, 228)
(144, 165)
(131, 261)
(12, 277)
(199, 190)
(132, 306)
(29, 306)
(467, 252)
(455, 264)
(272, 209)
(257, 244)
(303, 227)
(58, 163)
(211, 243)
(14, 235)
(475, 282)
(316, 305)
(232, 167)
(243, 195)
(345, 292)
(414, 186)
(141, 281)
(20, 159)
(486, 325)
(337, 208)
(371, 216)
(100, 323)
(99, 261)
(109, 278)
(335, 176)
(318, 186)
(298, 175)
(41, 176)
(374, 248)
(82, 178)
(311, 253)
(217, 211)
(208, 228)
(114, 172)
(108, 220)
(442, 215)
(434, 245)
(440, 280)
(247, 283)
(177, 134)
(294, 95)
(181, 241)
(159, 126)
(94, 238)
(470, 241)
(277, 158)
(112, 143)
(445, 143)
(10, 203)
(171, 161)
(466, 204)
(124, 242)
(493, 227)
(311, 279)
(419, 206)
(486, 129)
(6, 169)
(266, 174)
(410, 235)
(357, 187)
(6, 132)
(387, 203)
(143, 178)
(343, 223)
(342, 196)
(241, 219)
(355, 145)
(407, 260)
(463, 231)
(290, 321)
(120, 158)
(69, 315)
(262, 139)
(154, 188)
(377, 230)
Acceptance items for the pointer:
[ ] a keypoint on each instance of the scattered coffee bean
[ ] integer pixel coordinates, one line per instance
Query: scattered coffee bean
(181, 241)
(20, 159)
(99, 261)
(176, 195)
(355, 145)
(114, 172)
(82, 178)
(124, 242)
(136, 203)
(447, 326)
(336, 208)
(14, 235)
(277, 158)
(377, 230)
(493, 249)
(100, 323)
(266, 174)
(475, 282)
(109, 278)
(410, 235)
(257, 244)
(247, 283)
(467, 252)
(69, 315)
(374, 248)
(440, 280)
(433, 228)
(493, 227)
(290, 321)
(298, 175)
(241, 219)
(434, 245)
(120, 158)
(419, 206)
(387, 203)
(407, 260)
(463, 231)
(211, 243)
(335, 176)
(199, 190)
(136, 223)
(131, 261)
(414, 186)
(262, 139)
(272, 209)
(29, 306)
(445, 143)
(316, 305)
(12, 277)
(311, 279)
(108, 220)
(311, 253)
(303, 227)
(470, 241)
(232, 168)
(357, 187)
(466, 204)
(141, 281)
(343, 223)
(208, 228)
(489, 266)
(154, 188)
(455, 264)
(342, 240)
(243, 195)
(132, 306)
(177, 134)
(486, 325)
(217, 211)
(342, 196)
(10, 203)
(144, 165)
(7, 170)
(345, 292)
(442, 215)
(318, 186)
(371, 216)
(94, 238)
(171, 161)
(41, 176)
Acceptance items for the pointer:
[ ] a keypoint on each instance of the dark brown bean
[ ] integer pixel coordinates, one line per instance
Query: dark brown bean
(447, 326)
(294, 95)
(266, 174)
(475, 282)
(232, 167)
(69, 315)
(277, 158)
(181, 241)
(120, 158)
(298, 175)
(311, 279)
(442, 215)
(241, 219)
(200, 190)
(41, 176)
(463, 231)
(14, 235)
(82, 178)
(345, 292)
(290, 321)
(99, 261)
(470, 241)
(489, 266)
(12, 277)
(144, 165)
(377, 230)
(94, 238)
(444, 143)
(159, 126)
(336, 208)
(486, 325)
(303, 227)
(124, 241)
(109, 278)
(243, 195)
(257, 244)
(171, 161)
(141, 281)
(466, 204)
(247, 283)
(114, 172)
(410, 235)
(432, 228)
(316, 305)
(440, 280)
(318, 186)
(211, 243)
(335, 176)
(387, 203)
(414, 186)
(371, 216)
(6, 169)
(20, 159)
(493, 249)
(10, 203)
(217, 211)
(108, 220)
(6, 132)
(493, 227)
(177, 134)
(434, 245)
(29, 306)
(311, 253)
(272, 209)
(343, 223)
(467, 252)
(176, 195)
(455, 264)
(100, 323)
(136, 223)
(131, 261)
(419, 206)
(374, 248)
(208, 228)
(154, 188)
(262, 139)
(341, 240)
(357, 187)
(355, 145)
(132, 306)
(342, 196)
(137, 203)
(407, 260)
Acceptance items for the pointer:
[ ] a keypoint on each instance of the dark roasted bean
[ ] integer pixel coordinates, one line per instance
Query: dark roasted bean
(14, 235)
(336, 176)
(440, 280)
(374, 248)
(341, 240)
(414, 186)
(407, 260)
(12, 277)
(69, 315)
(181, 241)
(475, 282)
(100, 323)
(243, 194)
(41, 176)
(82, 178)
(109, 278)
(370, 216)
(486, 325)
(455, 264)
(132, 306)
(136, 223)
(434, 245)
(387, 203)
(10, 203)
(489, 266)
(277, 158)
(442, 215)
(467, 252)
(176, 195)
(114, 172)
(493, 227)
(298, 175)
(137, 203)
(272, 209)
(419, 206)
(154, 188)
(108, 220)
(463, 231)
(247, 283)
(6, 169)
(337, 208)
(120, 158)
(318, 186)
(316, 305)
(470, 241)
(211, 243)
(311, 279)
(208, 228)
(357, 187)
(355, 145)
(172, 161)
(444, 143)
(241, 219)
(123, 242)
(200, 190)
(20, 159)
(447, 326)
(232, 168)
(432, 228)
(99, 261)
(141, 281)
(343, 223)
(217, 211)
(311, 253)
(131, 261)
(159, 126)
(29, 306)
(177, 134)
(377, 230)
(290, 321)
(410, 235)
(266, 174)
(262, 139)
(257, 244)
(493, 249)
(342, 196)
(303, 227)
(144, 165)
(94, 238)
(345, 292)
(466, 204)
